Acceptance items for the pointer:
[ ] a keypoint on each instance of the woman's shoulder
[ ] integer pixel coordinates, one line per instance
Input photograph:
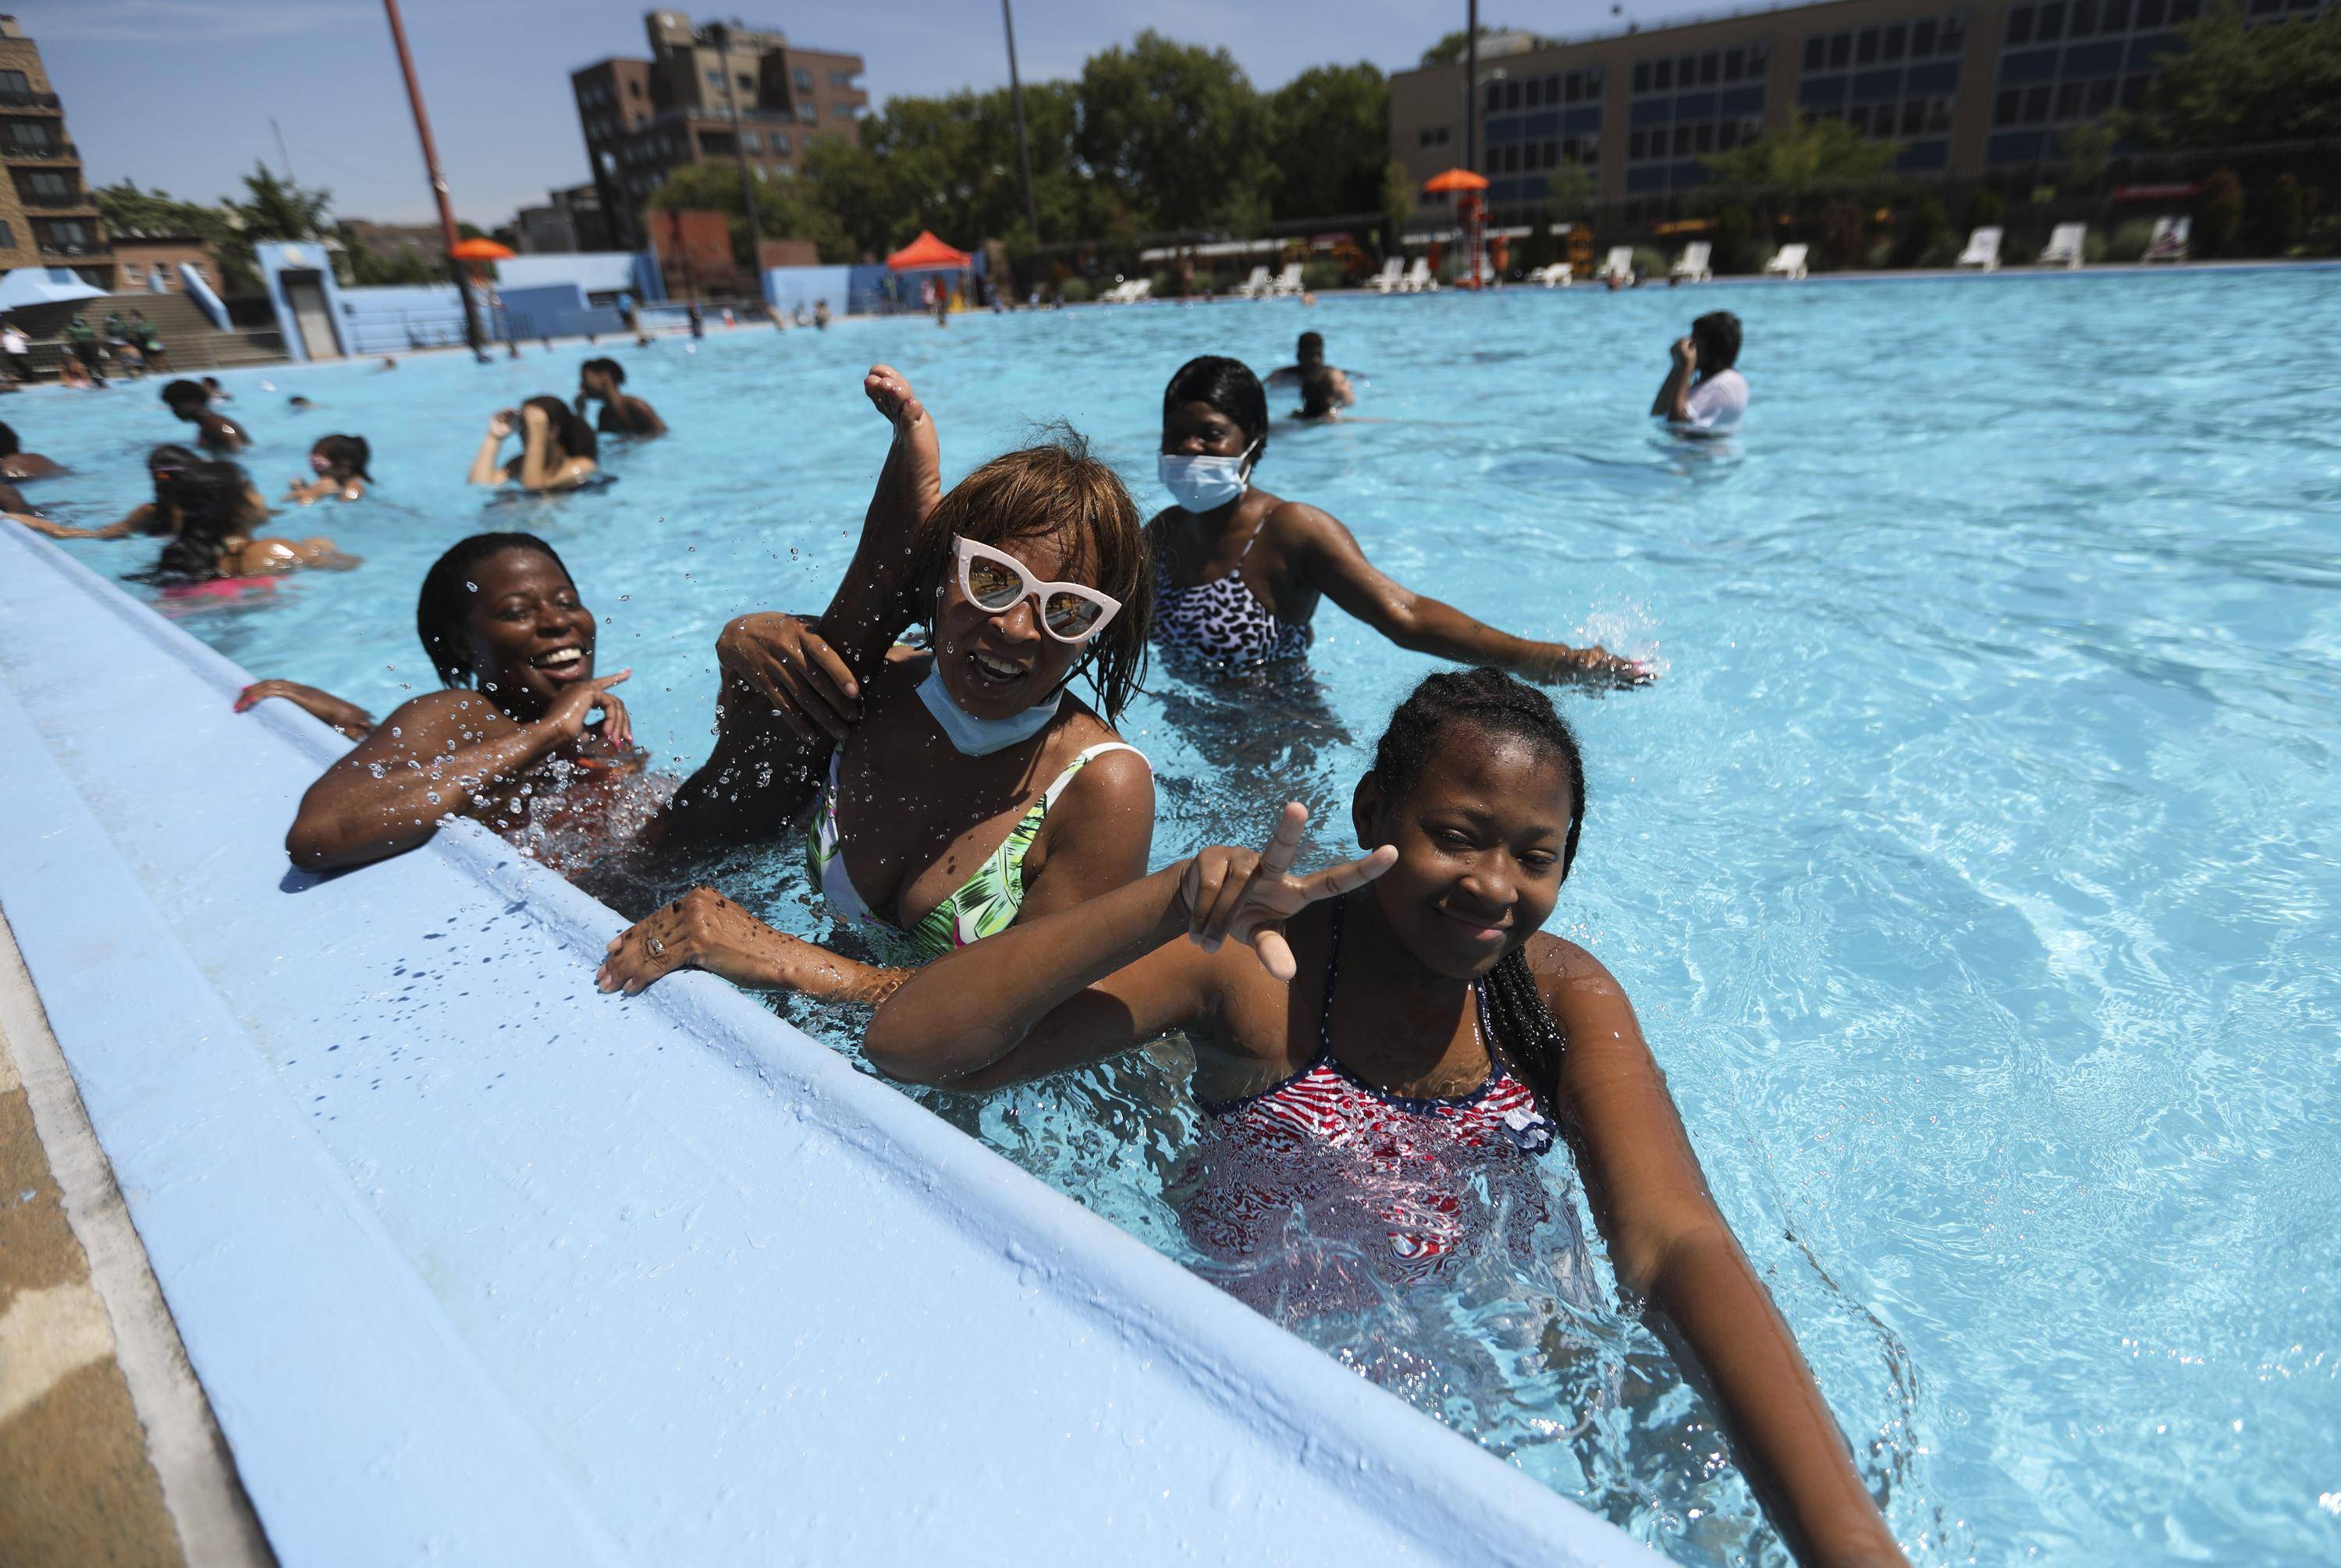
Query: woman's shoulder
(452, 713)
(1115, 771)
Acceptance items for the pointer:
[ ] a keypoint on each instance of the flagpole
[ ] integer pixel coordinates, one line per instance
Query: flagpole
(438, 180)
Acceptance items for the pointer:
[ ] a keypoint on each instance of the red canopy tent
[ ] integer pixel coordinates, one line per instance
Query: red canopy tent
(929, 254)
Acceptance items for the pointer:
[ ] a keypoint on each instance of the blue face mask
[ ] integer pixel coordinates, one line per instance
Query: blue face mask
(1207, 483)
(973, 737)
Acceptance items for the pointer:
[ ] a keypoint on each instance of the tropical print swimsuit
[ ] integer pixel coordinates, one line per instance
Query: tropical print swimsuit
(1407, 1184)
(1221, 624)
(984, 905)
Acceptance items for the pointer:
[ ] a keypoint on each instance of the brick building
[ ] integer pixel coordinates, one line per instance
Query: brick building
(711, 93)
(1968, 90)
(47, 217)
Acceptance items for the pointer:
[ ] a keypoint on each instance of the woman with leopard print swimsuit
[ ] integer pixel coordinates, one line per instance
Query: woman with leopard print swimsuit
(1237, 571)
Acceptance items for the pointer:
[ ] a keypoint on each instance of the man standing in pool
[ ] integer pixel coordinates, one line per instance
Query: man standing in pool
(604, 381)
(215, 432)
(1702, 392)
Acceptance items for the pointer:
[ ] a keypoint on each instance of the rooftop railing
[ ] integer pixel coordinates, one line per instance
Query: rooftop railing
(15, 151)
(11, 100)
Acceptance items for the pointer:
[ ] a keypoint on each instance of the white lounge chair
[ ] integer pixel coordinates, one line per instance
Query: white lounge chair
(1789, 262)
(1116, 294)
(1392, 275)
(2170, 238)
(1555, 276)
(1288, 282)
(1139, 289)
(1618, 263)
(1983, 250)
(1692, 267)
(2065, 245)
(1254, 287)
(1419, 279)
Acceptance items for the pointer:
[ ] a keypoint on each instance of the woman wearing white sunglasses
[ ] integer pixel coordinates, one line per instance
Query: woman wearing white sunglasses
(972, 789)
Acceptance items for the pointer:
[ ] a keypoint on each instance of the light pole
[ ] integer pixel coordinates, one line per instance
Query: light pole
(1023, 147)
(438, 180)
(1470, 71)
(739, 153)
(1472, 82)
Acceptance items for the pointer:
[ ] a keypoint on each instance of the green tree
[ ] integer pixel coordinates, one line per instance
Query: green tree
(274, 209)
(781, 213)
(1397, 203)
(1328, 138)
(1448, 50)
(2088, 150)
(2282, 220)
(2219, 215)
(1571, 189)
(1175, 129)
(2230, 84)
(1809, 158)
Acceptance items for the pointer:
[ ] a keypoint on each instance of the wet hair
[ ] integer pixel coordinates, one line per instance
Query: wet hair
(1227, 385)
(448, 590)
(1312, 350)
(211, 499)
(183, 392)
(344, 454)
(1492, 705)
(575, 436)
(211, 384)
(9, 446)
(1057, 485)
(1717, 334)
(611, 368)
(1317, 393)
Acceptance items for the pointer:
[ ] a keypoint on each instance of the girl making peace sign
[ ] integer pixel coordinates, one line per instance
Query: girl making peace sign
(1401, 1025)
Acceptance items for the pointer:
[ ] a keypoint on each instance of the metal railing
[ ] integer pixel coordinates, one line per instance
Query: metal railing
(48, 199)
(13, 150)
(28, 100)
(68, 248)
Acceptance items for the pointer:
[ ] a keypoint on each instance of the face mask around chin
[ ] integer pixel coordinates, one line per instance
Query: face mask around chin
(1203, 484)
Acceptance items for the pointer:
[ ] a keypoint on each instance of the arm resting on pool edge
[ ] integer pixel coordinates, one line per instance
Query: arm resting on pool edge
(1671, 1246)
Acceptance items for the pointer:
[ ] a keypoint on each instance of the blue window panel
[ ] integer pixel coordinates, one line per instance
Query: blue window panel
(1580, 120)
(1821, 92)
(1872, 85)
(1738, 101)
(2142, 51)
(1653, 112)
(1936, 77)
(2094, 59)
(1642, 182)
(1504, 130)
(1544, 125)
(1688, 174)
(2027, 65)
(1924, 157)
(1695, 106)
(2015, 147)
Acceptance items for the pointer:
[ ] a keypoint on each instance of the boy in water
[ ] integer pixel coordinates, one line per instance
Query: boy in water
(601, 381)
(1702, 392)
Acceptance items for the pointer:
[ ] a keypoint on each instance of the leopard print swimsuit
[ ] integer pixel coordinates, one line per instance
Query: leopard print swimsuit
(1219, 624)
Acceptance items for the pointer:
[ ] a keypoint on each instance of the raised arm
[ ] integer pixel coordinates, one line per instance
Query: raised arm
(1671, 1246)
(438, 756)
(1673, 401)
(1329, 557)
(537, 469)
(485, 468)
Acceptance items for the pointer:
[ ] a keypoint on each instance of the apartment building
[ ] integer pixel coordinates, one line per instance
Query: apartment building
(709, 91)
(47, 217)
(1969, 89)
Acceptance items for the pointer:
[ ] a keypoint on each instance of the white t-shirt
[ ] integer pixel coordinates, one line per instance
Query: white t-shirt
(1718, 401)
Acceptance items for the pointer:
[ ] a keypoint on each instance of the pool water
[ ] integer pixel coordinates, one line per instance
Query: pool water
(1971, 866)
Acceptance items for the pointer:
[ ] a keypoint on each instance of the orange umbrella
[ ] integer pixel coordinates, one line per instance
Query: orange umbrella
(928, 253)
(1456, 180)
(483, 251)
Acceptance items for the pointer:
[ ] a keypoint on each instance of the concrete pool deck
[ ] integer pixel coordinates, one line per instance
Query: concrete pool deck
(474, 1263)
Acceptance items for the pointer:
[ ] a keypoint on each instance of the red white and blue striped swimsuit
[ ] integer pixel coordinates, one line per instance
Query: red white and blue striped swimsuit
(1406, 1184)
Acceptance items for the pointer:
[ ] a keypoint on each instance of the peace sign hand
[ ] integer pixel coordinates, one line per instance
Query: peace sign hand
(1231, 892)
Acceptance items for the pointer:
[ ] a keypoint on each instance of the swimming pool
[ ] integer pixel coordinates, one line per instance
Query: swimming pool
(1964, 865)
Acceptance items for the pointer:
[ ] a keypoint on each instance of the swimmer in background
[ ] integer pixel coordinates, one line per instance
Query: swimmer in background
(1386, 1050)
(339, 463)
(161, 516)
(558, 449)
(214, 539)
(510, 741)
(16, 463)
(954, 792)
(1324, 396)
(1702, 392)
(604, 381)
(1308, 357)
(1239, 572)
(214, 393)
(215, 433)
(821, 315)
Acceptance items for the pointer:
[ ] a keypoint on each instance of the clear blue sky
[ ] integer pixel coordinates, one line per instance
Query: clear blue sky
(178, 94)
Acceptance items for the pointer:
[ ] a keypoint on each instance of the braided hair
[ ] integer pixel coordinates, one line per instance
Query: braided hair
(1493, 704)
